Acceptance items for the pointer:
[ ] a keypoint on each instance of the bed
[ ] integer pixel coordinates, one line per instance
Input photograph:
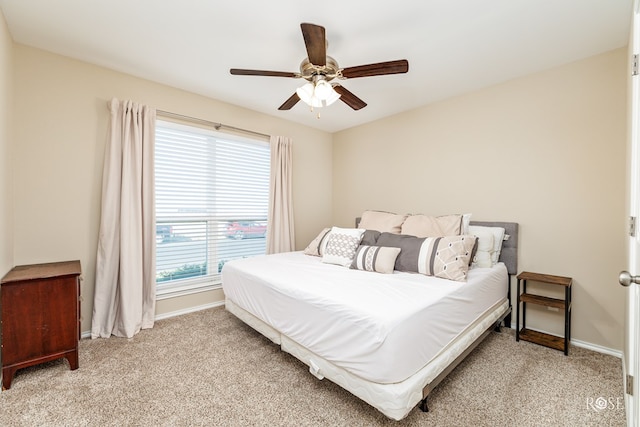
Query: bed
(389, 339)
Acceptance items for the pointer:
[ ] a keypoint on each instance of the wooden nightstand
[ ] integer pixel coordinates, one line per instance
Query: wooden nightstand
(548, 340)
(40, 316)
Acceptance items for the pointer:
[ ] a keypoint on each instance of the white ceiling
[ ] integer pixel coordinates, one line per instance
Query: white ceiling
(453, 46)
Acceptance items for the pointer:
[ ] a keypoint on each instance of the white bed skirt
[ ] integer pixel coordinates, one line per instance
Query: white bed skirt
(394, 400)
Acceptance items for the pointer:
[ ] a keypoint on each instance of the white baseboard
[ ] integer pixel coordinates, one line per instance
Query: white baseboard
(598, 348)
(189, 310)
(87, 334)
(584, 344)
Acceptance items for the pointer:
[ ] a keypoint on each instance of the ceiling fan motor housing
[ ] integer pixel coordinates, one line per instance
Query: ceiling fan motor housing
(330, 70)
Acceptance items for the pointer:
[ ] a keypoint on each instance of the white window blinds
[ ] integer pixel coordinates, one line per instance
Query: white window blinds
(211, 201)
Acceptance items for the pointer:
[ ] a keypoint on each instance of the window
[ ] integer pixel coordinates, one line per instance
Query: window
(211, 204)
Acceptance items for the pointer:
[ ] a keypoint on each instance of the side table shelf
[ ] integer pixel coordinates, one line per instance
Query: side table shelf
(547, 340)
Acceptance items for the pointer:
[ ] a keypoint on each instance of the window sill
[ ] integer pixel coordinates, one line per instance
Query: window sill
(182, 289)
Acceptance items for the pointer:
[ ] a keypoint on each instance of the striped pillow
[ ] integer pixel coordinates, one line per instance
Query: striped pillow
(317, 245)
(375, 258)
(445, 257)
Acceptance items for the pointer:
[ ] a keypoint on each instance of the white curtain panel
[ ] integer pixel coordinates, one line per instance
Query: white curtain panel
(124, 300)
(280, 233)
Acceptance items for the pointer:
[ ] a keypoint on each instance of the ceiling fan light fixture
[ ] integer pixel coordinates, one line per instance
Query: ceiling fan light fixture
(332, 97)
(323, 89)
(306, 94)
(318, 93)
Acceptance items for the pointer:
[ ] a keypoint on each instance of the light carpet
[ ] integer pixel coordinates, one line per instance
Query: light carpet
(210, 369)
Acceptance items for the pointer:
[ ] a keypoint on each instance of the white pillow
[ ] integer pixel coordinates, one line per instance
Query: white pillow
(466, 219)
(341, 246)
(482, 258)
(482, 232)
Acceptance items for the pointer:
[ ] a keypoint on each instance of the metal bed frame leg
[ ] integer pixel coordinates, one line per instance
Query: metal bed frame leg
(507, 321)
(423, 405)
(500, 322)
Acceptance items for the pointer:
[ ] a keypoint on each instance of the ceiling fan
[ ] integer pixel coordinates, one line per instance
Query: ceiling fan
(319, 69)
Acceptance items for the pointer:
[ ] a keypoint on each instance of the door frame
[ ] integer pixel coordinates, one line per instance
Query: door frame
(631, 348)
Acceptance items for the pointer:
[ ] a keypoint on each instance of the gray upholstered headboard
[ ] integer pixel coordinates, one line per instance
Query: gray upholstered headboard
(509, 253)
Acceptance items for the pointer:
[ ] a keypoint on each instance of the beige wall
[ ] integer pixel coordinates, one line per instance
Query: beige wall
(546, 151)
(61, 120)
(6, 164)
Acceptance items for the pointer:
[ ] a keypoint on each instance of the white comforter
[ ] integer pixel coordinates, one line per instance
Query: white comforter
(380, 327)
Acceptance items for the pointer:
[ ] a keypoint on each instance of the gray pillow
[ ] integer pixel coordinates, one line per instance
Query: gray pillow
(370, 237)
(445, 257)
(409, 249)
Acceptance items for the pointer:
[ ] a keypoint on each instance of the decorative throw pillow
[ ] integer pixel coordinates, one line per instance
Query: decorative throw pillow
(445, 257)
(341, 246)
(382, 221)
(410, 249)
(375, 258)
(432, 226)
(316, 246)
(498, 237)
(369, 237)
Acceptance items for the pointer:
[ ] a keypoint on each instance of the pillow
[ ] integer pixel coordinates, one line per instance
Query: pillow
(410, 249)
(448, 257)
(370, 237)
(484, 251)
(444, 257)
(316, 246)
(432, 226)
(498, 237)
(473, 252)
(466, 219)
(341, 246)
(375, 258)
(382, 221)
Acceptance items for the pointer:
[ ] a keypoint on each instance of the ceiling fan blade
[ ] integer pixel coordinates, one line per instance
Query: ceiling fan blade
(293, 100)
(315, 41)
(349, 98)
(378, 69)
(242, 72)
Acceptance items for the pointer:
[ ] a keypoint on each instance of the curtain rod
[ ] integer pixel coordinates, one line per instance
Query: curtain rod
(216, 126)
